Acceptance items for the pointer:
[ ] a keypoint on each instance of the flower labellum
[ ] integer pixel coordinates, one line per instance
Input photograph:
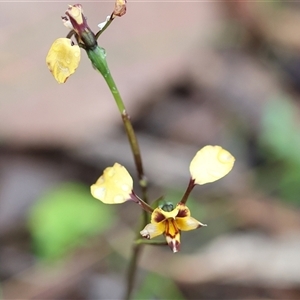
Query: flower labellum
(168, 221)
(63, 59)
(210, 164)
(114, 186)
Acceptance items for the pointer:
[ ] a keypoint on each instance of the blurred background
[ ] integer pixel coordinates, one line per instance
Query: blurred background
(191, 74)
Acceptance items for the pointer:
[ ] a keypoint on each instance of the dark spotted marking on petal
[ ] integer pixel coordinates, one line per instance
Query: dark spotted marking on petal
(159, 217)
(182, 213)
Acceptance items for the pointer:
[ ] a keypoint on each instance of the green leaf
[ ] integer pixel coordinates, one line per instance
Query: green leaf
(64, 218)
(279, 130)
(289, 187)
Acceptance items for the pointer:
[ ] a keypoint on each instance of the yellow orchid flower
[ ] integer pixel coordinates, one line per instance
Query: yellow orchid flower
(210, 164)
(114, 186)
(63, 59)
(168, 221)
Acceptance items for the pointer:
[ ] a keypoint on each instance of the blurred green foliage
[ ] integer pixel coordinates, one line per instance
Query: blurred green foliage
(64, 218)
(280, 130)
(157, 287)
(280, 146)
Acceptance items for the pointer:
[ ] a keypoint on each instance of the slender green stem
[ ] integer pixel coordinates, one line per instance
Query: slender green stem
(136, 253)
(150, 242)
(132, 268)
(116, 94)
(105, 27)
(98, 57)
(136, 249)
(131, 137)
(88, 41)
(134, 144)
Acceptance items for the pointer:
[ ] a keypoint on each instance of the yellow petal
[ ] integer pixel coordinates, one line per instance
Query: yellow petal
(188, 223)
(63, 59)
(184, 220)
(210, 164)
(153, 230)
(114, 186)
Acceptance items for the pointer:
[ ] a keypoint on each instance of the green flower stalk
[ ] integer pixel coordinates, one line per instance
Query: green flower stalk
(63, 59)
(86, 39)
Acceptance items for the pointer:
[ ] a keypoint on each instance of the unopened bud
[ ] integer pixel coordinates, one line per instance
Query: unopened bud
(120, 8)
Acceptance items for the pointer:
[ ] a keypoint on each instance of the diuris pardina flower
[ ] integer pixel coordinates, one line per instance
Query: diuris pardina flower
(209, 164)
(168, 221)
(115, 186)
